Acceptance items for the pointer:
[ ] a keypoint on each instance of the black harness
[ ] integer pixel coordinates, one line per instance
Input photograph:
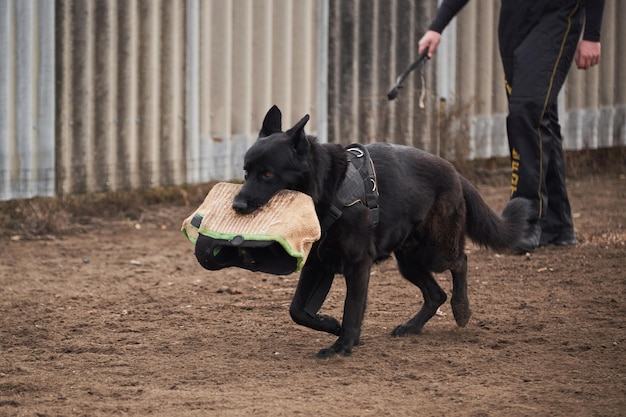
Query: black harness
(359, 186)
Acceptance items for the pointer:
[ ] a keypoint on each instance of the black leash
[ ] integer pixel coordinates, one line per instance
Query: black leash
(393, 93)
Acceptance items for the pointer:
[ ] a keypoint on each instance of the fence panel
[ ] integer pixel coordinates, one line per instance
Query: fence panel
(27, 83)
(243, 57)
(370, 44)
(120, 120)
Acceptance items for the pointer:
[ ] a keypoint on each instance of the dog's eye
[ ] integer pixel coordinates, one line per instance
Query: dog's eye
(245, 175)
(268, 174)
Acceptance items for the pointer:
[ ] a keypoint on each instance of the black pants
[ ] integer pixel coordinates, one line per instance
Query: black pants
(538, 41)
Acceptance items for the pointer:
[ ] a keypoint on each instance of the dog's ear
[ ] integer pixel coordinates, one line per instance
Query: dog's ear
(299, 142)
(272, 122)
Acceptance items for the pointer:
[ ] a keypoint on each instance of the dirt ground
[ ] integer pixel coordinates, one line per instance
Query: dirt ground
(118, 318)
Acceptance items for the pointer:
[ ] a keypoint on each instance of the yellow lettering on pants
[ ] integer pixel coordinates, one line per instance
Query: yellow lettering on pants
(515, 157)
(514, 181)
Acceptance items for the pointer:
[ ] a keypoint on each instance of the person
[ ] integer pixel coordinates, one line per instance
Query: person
(538, 41)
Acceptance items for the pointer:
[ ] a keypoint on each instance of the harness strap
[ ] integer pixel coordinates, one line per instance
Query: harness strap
(331, 217)
(358, 186)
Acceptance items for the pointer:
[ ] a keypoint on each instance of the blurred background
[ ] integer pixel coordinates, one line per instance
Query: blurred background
(105, 95)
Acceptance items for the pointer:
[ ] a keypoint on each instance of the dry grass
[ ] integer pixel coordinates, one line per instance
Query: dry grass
(56, 215)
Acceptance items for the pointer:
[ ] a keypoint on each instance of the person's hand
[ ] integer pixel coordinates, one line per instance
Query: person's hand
(430, 40)
(587, 54)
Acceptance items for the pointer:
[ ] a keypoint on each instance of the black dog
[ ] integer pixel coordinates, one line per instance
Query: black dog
(424, 209)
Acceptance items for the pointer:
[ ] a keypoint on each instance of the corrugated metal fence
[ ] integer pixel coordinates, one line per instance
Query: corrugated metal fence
(166, 92)
(120, 92)
(27, 99)
(371, 42)
(100, 95)
(243, 56)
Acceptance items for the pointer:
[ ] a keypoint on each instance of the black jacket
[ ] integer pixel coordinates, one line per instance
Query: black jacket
(593, 13)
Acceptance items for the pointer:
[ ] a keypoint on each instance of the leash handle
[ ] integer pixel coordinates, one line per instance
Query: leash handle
(422, 58)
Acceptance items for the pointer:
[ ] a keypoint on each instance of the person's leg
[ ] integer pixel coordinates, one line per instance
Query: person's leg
(535, 69)
(557, 226)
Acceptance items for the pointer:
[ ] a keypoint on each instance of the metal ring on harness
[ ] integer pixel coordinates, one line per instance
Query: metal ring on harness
(373, 184)
(356, 151)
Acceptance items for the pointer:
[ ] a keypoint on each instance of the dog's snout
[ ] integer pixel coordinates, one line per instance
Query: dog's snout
(240, 205)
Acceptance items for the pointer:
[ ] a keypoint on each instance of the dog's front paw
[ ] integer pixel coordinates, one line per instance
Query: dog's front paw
(336, 349)
(405, 330)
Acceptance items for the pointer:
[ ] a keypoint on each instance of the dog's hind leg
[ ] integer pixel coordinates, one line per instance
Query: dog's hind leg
(460, 301)
(313, 287)
(414, 271)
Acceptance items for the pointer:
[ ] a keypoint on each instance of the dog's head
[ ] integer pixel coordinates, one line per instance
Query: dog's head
(276, 161)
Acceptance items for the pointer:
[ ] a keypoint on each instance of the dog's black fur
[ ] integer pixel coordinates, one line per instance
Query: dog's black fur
(426, 210)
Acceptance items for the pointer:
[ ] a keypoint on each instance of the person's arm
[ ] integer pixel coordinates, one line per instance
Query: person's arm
(588, 52)
(593, 20)
(446, 12)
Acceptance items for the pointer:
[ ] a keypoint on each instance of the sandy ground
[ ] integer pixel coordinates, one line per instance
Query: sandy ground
(118, 318)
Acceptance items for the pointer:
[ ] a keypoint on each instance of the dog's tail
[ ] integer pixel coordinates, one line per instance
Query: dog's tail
(486, 228)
